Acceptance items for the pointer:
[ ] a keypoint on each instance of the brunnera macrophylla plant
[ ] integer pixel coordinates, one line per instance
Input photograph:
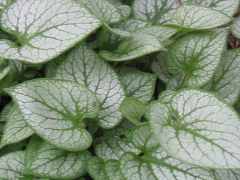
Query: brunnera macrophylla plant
(119, 89)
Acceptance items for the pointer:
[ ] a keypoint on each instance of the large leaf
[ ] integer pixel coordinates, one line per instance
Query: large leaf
(138, 84)
(193, 59)
(136, 46)
(83, 66)
(45, 160)
(197, 17)
(12, 166)
(226, 80)
(153, 11)
(44, 29)
(198, 128)
(57, 110)
(16, 129)
(228, 7)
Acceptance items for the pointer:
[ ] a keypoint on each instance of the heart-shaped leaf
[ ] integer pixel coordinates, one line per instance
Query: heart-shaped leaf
(193, 59)
(197, 128)
(44, 29)
(56, 110)
(83, 66)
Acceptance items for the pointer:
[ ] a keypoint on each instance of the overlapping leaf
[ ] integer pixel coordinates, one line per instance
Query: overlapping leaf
(137, 84)
(44, 29)
(198, 128)
(153, 11)
(228, 7)
(104, 10)
(45, 160)
(197, 18)
(136, 46)
(83, 66)
(226, 80)
(16, 129)
(56, 110)
(193, 59)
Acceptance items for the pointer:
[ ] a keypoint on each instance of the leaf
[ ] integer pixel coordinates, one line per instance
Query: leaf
(228, 7)
(12, 166)
(193, 59)
(153, 11)
(162, 33)
(83, 66)
(138, 84)
(4, 3)
(229, 174)
(16, 129)
(136, 46)
(114, 143)
(45, 160)
(44, 29)
(154, 164)
(197, 128)
(104, 170)
(236, 27)
(197, 18)
(57, 110)
(103, 10)
(133, 109)
(226, 80)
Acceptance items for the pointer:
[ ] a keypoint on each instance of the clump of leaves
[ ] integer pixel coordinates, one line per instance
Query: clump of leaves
(119, 90)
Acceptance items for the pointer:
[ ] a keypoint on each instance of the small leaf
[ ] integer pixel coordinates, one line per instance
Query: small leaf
(226, 80)
(56, 110)
(197, 18)
(153, 11)
(114, 143)
(136, 46)
(192, 127)
(104, 170)
(228, 7)
(12, 166)
(133, 109)
(162, 33)
(83, 66)
(48, 161)
(16, 129)
(138, 84)
(103, 10)
(44, 29)
(193, 59)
